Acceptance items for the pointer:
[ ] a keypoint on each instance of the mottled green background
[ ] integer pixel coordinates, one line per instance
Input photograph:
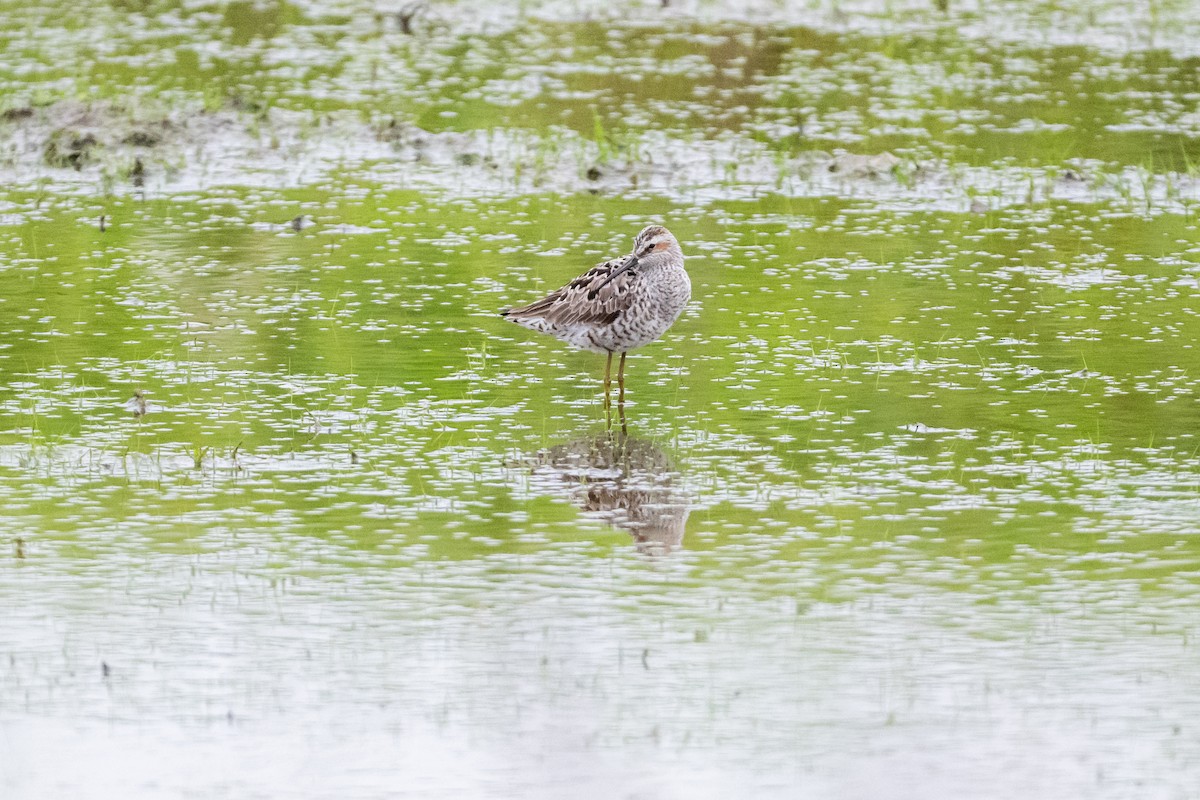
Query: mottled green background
(910, 499)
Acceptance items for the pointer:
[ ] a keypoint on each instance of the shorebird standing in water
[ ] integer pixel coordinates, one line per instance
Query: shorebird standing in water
(616, 306)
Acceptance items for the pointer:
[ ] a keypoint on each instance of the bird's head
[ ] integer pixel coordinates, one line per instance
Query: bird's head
(655, 246)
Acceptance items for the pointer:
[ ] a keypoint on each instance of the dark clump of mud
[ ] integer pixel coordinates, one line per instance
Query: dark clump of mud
(70, 148)
(75, 136)
(143, 138)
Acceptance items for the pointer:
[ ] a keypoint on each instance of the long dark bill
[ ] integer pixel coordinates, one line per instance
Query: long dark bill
(628, 265)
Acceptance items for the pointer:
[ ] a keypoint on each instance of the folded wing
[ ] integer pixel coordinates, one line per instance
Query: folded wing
(589, 299)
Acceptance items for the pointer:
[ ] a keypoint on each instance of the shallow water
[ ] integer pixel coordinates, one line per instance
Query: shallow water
(908, 498)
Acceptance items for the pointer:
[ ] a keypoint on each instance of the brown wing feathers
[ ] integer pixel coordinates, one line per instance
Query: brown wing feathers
(585, 299)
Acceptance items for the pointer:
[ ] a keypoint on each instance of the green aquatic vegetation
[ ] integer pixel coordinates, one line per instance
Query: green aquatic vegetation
(606, 150)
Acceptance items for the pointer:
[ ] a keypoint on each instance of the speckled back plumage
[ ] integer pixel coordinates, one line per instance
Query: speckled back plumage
(619, 305)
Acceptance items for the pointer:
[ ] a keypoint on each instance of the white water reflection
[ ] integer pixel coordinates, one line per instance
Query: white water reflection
(567, 675)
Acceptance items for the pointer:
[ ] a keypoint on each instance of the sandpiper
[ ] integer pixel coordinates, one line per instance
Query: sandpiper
(616, 306)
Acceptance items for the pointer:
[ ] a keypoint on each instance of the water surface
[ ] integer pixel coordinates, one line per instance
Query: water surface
(907, 502)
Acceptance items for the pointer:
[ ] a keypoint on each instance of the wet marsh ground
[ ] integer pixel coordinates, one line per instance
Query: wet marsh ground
(909, 499)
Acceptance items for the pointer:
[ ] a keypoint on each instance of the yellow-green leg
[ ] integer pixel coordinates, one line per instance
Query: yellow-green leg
(608, 387)
(621, 382)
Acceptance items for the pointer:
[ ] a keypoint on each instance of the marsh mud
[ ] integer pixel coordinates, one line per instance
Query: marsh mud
(906, 106)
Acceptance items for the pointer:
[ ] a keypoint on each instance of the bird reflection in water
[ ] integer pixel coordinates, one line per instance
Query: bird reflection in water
(623, 480)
